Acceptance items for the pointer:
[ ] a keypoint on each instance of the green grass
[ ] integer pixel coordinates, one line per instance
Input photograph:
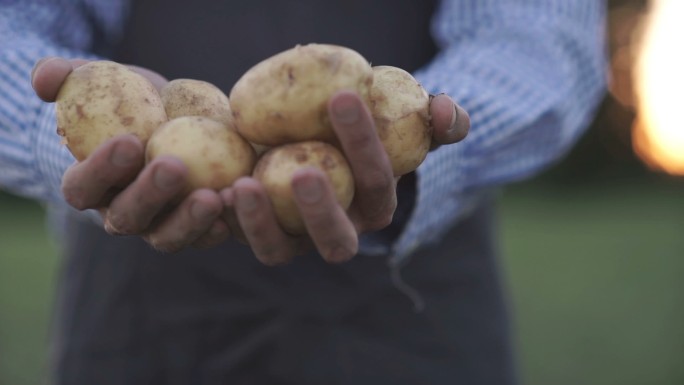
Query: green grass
(596, 277)
(595, 273)
(28, 262)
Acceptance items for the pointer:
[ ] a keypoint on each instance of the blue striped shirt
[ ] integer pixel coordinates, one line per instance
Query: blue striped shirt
(530, 73)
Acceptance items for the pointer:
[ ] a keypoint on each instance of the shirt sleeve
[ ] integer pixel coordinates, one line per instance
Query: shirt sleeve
(530, 73)
(32, 158)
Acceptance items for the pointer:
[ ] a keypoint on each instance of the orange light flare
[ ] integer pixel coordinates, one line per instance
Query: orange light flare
(658, 131)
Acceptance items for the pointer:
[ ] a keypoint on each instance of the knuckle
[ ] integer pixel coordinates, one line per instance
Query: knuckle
(375, 182)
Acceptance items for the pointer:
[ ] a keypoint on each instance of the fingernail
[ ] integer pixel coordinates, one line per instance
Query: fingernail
(346, 110)
(460, 123)
(309, 190)
(123, 156)
(165, 179)
(454, 118)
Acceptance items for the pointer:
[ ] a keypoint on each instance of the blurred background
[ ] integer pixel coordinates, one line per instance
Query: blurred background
(593, 248)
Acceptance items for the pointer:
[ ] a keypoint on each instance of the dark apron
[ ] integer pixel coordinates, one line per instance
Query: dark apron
(128, 315)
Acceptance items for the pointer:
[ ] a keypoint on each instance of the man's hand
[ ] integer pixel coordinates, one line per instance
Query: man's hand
(332, 231)
(139, 199)
(134, 198)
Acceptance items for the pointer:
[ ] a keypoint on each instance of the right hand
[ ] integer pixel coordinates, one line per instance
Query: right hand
(134, 198)
(332, 231)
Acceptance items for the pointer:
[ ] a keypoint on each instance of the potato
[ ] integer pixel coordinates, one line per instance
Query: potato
(277, 166)
(283, 99)
(102, 99)
(400, 108)
(215, 154)
(189, 97)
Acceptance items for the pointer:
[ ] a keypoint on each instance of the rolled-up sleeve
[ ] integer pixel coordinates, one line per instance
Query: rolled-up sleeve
(531, 74)
(32, 158)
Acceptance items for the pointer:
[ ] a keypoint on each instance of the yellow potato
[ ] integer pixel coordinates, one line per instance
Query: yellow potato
(102, 99)
(277, 166)
(283, 99)
(189, 97)
(215, 154)
(400, 108)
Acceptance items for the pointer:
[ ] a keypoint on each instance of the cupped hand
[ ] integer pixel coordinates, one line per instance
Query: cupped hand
(332, 231)
(132, 197)
(139, 199)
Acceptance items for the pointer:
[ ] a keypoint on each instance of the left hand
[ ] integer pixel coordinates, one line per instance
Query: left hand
(332, 231)
(132, 197)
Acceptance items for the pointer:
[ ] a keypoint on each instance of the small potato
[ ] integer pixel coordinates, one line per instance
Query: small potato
(102, 99)
(400, 108)
(215, 154)
(189, 97)
(277, 166)
(283, 99)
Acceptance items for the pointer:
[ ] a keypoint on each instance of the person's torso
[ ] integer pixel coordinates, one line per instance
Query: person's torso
(217, 41)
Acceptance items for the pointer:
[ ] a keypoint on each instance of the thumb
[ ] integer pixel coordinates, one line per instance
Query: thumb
(450, 122)
(47, 76)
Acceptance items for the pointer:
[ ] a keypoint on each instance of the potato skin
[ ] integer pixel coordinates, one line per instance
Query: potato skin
(275, 170)
(102, 99)
(401, 111)
(190, 97)
(283, 99)
(215, 154)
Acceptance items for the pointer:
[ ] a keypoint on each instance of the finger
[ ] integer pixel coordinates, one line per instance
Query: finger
(373, 177)
(75, 63)
(229, 215)
(133, 210)
(193, 218)
(268, 241)
(333, 234)
(156, 79)
(47, 77)
(217, 234)
(49, 73)
(450, 122)
(90, 183)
